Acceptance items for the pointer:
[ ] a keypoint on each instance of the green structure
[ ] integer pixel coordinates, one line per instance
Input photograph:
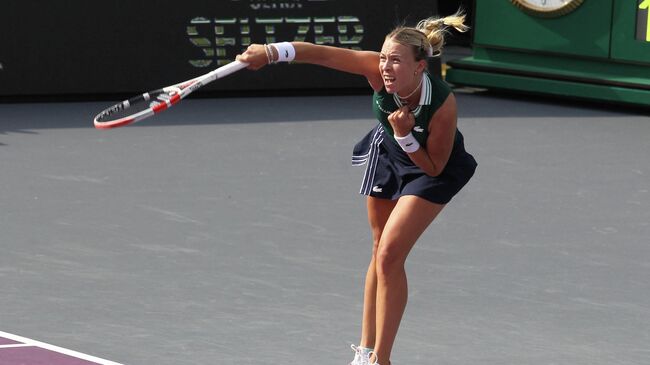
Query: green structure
(590, 49)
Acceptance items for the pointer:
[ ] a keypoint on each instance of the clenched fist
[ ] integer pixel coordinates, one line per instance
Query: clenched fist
(402, 121)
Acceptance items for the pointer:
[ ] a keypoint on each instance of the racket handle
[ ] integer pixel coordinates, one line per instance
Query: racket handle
(226, 70)
(222, 71)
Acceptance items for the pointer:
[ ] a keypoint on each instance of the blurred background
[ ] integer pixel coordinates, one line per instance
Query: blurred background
(594, 50)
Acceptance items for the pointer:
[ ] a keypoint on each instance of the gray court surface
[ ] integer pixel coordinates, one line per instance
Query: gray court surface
(230, 231)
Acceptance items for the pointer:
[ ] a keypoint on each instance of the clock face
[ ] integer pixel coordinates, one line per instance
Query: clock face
(547, 8)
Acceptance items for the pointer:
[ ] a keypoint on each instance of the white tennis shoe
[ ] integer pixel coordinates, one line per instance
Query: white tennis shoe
(359, 357)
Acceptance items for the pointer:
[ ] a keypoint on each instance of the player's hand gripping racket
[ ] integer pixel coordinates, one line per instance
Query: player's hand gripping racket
(153, 102)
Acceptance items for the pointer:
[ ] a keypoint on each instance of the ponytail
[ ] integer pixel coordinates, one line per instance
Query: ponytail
(428, 36)
(435, 29)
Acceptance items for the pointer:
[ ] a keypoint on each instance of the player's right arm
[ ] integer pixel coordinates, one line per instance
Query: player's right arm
(365, 63)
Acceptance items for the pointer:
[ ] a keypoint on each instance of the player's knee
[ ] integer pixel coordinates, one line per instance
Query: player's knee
(389, 259)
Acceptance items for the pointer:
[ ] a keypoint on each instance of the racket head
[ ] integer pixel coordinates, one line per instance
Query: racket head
(137, 108)
(146, 105)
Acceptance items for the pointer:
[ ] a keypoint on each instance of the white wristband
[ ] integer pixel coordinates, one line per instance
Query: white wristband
(408, 143)
(286, 51)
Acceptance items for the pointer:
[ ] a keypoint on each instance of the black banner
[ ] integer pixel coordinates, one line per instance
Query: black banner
(124, 46)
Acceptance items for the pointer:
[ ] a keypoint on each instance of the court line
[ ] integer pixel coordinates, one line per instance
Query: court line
(27, 342)
(14, 345)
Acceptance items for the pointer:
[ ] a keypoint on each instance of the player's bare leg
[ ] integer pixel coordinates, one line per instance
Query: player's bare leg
(408, 220)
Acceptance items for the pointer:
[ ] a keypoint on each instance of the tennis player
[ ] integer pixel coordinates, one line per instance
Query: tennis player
(415, 158)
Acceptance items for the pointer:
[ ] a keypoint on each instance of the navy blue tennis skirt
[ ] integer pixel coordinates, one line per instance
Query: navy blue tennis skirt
(390, 173)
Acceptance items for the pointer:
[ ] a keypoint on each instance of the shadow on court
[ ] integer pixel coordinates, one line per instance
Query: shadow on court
(26, 117)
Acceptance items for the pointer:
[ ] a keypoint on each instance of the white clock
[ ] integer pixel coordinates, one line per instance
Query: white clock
(547, 8)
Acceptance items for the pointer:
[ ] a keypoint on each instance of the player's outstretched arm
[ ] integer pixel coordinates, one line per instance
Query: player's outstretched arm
(365, 63)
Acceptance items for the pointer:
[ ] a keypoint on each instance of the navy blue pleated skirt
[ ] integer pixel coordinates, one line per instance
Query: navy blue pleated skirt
(390, 173)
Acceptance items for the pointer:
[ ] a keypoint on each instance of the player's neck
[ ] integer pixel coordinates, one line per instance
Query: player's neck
(411, 99)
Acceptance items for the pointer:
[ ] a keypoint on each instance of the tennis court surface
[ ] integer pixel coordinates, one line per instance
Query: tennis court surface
(230, 231)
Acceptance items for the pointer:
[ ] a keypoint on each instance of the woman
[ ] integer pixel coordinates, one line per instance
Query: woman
(415, 156)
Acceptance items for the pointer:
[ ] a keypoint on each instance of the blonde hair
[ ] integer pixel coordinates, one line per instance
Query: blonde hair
(428, 37)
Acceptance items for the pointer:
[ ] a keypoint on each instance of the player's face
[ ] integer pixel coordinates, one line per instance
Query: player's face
(398, 68)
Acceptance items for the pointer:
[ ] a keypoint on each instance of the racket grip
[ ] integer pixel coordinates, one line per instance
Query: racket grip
(232, 67)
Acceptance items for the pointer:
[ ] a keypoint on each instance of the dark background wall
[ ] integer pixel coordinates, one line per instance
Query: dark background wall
(80, 47)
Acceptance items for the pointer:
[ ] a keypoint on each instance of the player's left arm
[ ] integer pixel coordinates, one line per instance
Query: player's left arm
(442, 130)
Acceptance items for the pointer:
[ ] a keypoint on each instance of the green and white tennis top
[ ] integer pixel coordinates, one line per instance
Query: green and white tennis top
(434, 92)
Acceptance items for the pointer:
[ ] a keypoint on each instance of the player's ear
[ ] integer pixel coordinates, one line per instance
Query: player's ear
(422, 65)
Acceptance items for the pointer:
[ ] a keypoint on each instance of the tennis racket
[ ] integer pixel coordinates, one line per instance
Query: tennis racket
(154, 102)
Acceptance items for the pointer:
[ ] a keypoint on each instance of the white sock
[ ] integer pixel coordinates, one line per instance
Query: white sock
(365, 351)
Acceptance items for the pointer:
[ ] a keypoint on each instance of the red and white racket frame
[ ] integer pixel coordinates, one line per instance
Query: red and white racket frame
(172, 95)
